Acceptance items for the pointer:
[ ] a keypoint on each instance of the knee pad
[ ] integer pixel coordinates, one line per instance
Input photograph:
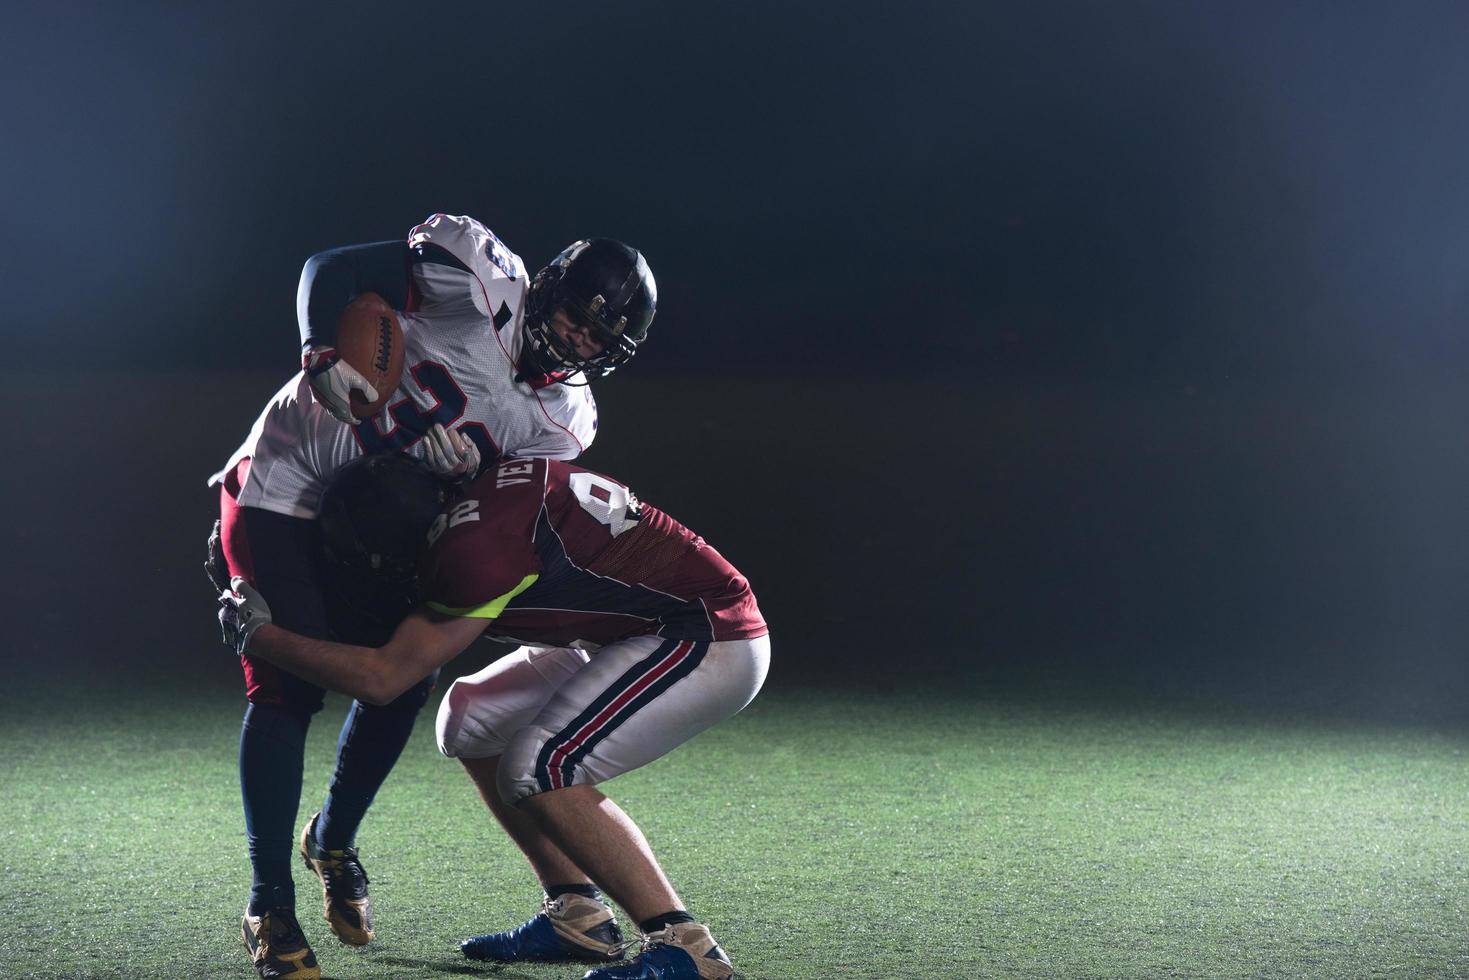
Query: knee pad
(469, 726)
(482, 711)
(516, 780)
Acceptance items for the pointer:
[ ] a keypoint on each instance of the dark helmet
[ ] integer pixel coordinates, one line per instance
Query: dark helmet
(605, 286)
(376, 512)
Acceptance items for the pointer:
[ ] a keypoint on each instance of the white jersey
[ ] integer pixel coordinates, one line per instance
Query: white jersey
(461, 339)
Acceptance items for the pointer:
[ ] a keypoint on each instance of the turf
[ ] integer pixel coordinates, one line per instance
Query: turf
(905, 835)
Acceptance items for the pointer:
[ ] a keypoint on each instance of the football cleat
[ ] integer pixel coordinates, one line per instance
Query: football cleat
(684, 951)
(279, 948)
(345, 904)
(572, 927)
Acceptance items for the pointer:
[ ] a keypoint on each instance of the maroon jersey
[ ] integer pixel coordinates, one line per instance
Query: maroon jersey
(556, 554)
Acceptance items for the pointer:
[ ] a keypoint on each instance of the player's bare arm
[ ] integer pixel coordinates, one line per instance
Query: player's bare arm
(422, 643)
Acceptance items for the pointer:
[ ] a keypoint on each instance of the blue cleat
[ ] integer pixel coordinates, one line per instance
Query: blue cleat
(572, 927)
(681, 952)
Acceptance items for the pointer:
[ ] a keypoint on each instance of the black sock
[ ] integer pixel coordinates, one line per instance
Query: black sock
(665, 920)
(272, 746)
(554, 892)
(271, 898)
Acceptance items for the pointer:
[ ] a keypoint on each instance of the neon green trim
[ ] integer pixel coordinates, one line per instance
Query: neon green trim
(490, 609)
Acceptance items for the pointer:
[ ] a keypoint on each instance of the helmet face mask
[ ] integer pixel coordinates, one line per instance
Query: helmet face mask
(601, 285)
(560, 354)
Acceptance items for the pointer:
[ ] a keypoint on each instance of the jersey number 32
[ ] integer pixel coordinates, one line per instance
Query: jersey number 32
(410, 423)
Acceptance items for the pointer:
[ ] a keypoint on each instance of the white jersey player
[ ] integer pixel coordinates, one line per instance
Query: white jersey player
(463, 340)
(495, 364)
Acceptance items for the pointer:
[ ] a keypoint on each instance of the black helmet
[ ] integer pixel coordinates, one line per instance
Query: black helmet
(376, 512)
(605, 286)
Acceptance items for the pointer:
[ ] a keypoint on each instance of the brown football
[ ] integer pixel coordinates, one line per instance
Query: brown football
(370, 339)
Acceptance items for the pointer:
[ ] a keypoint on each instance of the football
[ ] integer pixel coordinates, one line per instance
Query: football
(370, 339)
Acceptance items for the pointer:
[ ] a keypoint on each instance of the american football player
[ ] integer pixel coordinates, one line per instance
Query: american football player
(496, 362)
(640, 636)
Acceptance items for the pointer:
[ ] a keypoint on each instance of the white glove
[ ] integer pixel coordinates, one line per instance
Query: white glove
(450, 453)
(332, 382)
(242, 611)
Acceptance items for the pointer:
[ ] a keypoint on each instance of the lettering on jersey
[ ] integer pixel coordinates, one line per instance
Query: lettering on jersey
(497, 253)
(608, 501)
(513, 472)
(461, 513)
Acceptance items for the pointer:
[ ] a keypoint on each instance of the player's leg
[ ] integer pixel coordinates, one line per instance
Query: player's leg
(366, 612)
(272, 740)
(371, 740)
(597, 835)
(604, 839)
(633, 703)
(272, 748)
(476, 720)
(276, 554)
(551, 866)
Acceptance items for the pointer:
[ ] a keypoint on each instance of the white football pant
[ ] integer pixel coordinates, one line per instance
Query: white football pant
(561, 718)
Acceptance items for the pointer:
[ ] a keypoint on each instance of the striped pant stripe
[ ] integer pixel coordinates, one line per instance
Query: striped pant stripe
(639, 686)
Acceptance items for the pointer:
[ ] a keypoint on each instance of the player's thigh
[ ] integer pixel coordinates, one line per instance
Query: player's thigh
(481, 711)
(281, 556)
(634, 702)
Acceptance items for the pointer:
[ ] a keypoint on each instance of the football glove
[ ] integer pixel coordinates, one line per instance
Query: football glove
(332, 382)
(450, 453)
(242, 611)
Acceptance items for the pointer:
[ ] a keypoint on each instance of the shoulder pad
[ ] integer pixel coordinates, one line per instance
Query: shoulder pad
(475, 247)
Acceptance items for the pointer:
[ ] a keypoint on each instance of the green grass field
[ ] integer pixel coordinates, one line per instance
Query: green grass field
(821, 836)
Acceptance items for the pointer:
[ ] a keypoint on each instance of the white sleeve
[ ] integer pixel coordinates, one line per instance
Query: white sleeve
(458, 262)
(459, 235)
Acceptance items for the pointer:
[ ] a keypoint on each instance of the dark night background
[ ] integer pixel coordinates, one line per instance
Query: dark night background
(1093, 349)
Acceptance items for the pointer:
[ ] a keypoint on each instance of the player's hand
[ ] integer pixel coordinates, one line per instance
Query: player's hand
(242, 611)
(450, 453)
(332, 382)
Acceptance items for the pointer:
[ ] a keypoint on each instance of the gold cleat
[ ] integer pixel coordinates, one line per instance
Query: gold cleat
(278, 947)
(345, 904)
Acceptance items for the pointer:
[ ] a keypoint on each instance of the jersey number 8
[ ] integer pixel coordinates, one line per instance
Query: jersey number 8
(610, 503)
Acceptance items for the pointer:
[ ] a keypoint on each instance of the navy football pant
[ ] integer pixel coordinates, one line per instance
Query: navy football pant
(281, 556)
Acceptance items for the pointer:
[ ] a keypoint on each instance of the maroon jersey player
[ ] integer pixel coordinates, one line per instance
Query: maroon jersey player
(637, 635)
(563, 556)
